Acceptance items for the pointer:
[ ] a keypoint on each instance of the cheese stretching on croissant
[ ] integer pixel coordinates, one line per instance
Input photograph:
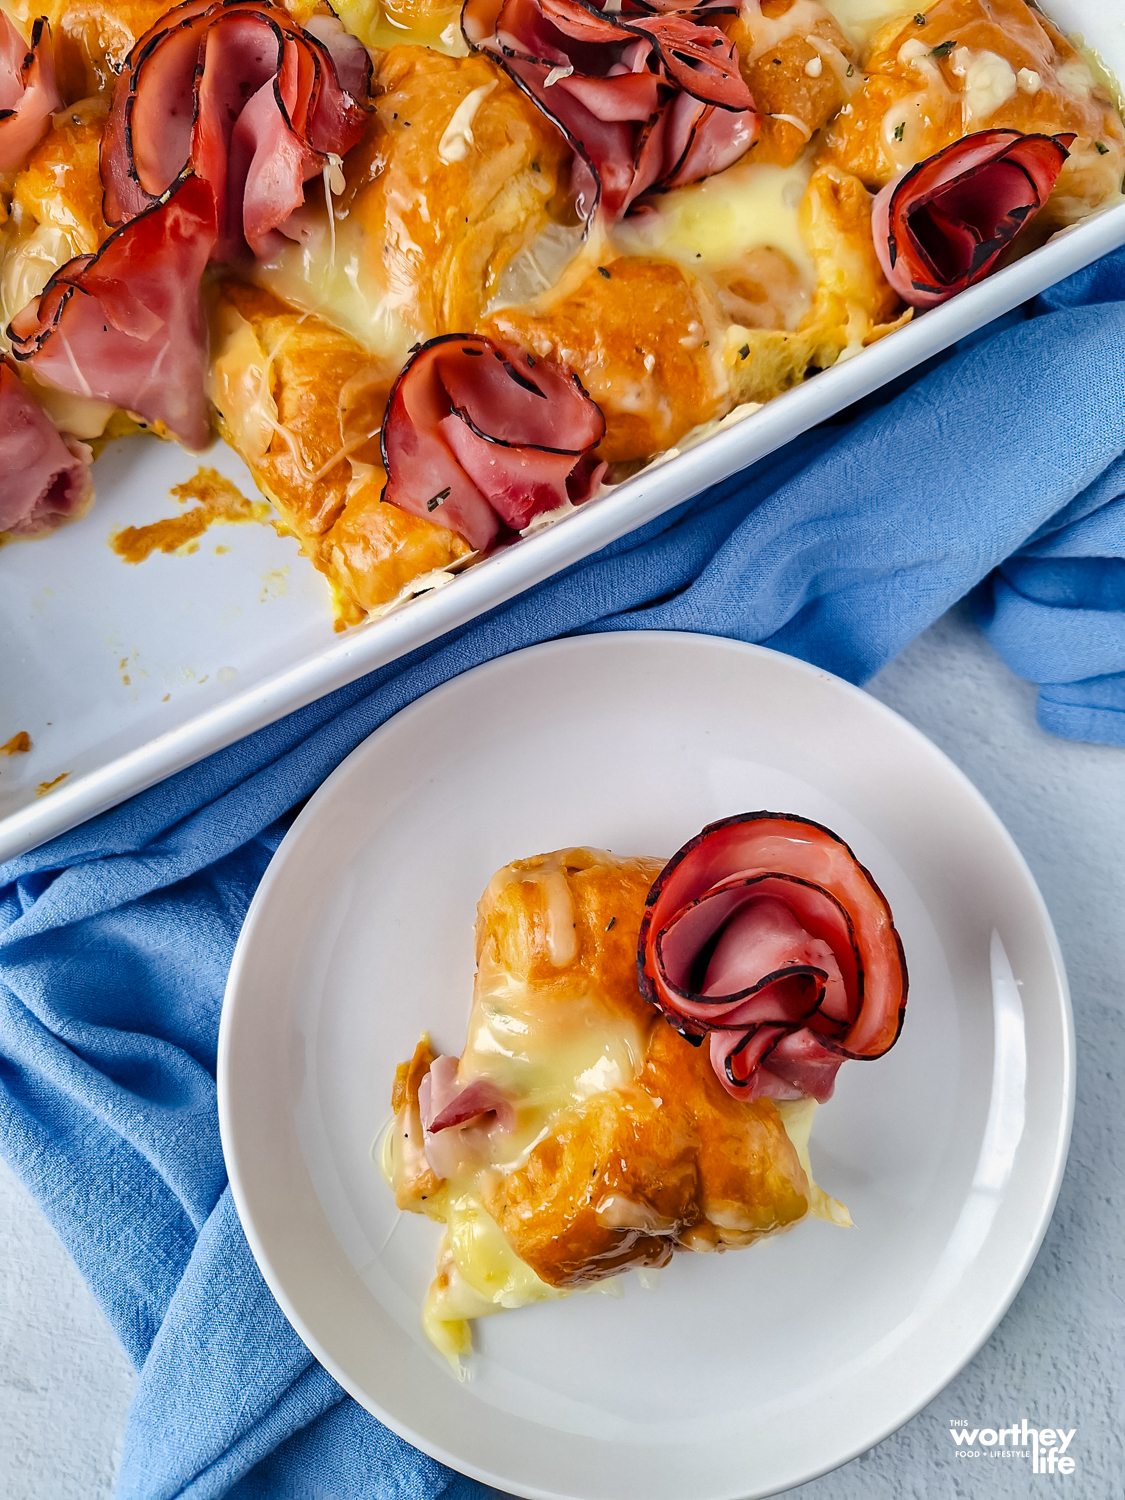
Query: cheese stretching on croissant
(579, 1135)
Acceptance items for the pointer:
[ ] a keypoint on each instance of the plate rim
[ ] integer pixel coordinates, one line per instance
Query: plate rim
(596, 641)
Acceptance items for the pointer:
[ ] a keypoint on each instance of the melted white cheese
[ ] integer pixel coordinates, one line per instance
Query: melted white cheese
(861, 19)
(988, 81)
(712, 223)
(457, 138)
(333, 280)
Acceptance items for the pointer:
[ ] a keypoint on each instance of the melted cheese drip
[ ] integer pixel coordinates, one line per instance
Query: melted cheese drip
(908, 119)
(458, 137)
(861, 19)
(711, 223)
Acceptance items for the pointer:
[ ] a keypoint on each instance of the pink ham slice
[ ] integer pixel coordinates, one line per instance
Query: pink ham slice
(942, 225)
(480, 435)
(767, 936)
(46, 478)
(127, 325)
(246, 98)
(458, 1118)
(28, 92)
(647, 101)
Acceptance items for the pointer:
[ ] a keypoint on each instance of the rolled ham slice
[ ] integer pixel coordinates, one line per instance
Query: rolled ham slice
(458, 1117)
(46, 477)
(28, 92)
(238, 93)
(481, 435)
(646, 101)
(127, 325)
(943, 224)
(765, 935)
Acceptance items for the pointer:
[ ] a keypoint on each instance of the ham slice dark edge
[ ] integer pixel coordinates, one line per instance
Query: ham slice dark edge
(127, 325)
(28, 92)
(239, 93)
(480, 435)
(458, 1118)
(766, 935)
(46, 478)
(942, 225)
(647, 101)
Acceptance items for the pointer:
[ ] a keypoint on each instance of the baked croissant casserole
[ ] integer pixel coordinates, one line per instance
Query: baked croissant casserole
(441, 273)
(584, 1130)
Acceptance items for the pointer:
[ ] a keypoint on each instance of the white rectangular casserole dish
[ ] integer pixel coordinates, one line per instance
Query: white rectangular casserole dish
(122, 675)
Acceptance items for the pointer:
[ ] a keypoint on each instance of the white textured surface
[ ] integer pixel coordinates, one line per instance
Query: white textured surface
(1056, 1358)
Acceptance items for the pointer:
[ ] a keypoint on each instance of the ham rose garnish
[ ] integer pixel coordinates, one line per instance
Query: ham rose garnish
(28, 93)
(127, 325)
(765, 934)
(457, 1117)
(46, 477)
(239, 93)
(943, 224)
(647, 102)
(480, 435)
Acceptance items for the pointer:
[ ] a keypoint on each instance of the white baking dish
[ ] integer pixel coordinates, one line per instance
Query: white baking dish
(123, 674)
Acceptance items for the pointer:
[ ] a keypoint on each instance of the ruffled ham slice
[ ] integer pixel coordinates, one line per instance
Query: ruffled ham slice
(647, 101)
(28, 92)
(767, 936)
(480, 435)
(457, 1118)
(46, 477)
(942, 225)
(127, 325)
(239, 93)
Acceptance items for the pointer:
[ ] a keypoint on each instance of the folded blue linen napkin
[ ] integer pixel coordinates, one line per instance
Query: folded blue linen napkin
(997, 468)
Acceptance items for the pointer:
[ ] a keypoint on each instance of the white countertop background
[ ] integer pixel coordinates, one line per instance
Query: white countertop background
(1058, 1357)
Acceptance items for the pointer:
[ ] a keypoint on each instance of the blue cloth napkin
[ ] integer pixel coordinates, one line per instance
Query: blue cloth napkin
(998, 468)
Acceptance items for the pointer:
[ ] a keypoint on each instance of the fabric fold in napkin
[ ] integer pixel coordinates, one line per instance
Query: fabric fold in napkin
(997, 468)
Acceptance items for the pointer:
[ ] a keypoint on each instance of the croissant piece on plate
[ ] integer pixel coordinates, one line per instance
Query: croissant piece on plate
(579, 1135)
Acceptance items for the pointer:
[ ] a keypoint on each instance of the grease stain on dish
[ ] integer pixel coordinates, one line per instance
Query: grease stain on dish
(49, 786)
(19, 744)
(275, 585)
(218, 502)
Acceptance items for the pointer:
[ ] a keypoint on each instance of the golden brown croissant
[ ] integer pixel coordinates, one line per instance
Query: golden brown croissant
(579, 1135)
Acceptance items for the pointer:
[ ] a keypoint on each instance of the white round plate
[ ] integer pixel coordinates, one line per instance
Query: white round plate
(741, 1374)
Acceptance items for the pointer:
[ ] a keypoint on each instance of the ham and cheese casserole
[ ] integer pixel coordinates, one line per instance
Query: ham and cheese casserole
(437, 272)
(647, 1046)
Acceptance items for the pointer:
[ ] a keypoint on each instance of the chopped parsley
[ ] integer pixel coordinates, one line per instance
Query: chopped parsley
(1102, 148)
(851, 71)
(919, 18)
(612, 923)
(744, 352)
(437, 499)
(899, 131)
(943, 49)
(602, 271)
